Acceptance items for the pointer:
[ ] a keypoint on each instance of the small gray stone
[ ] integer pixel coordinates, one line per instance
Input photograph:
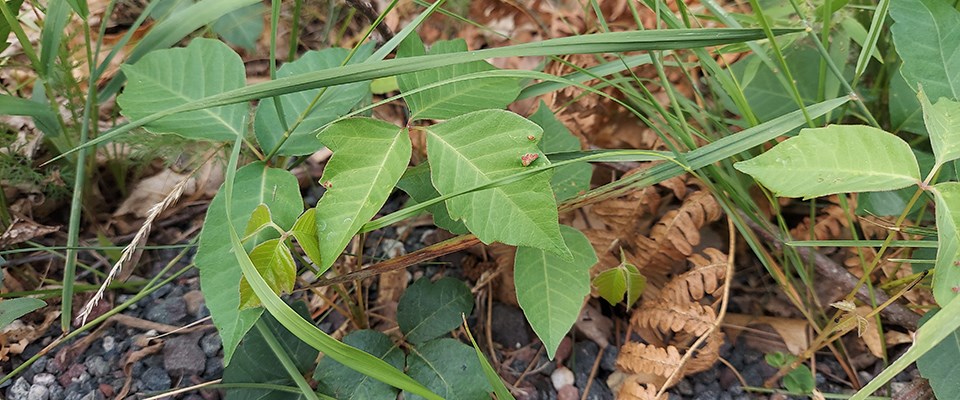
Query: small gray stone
(97, 366)
(170, 311)
(93, 395)
(53, 366)
(56, 392)
(109, 343)
(509, 326)
(211, 344)
(685, 388)
(44, 379)
(608, 361)
(38, 392)
(73, 395)
(182, 356)
(39, 365)
(214, 368)
(155, 379)
(19, 389)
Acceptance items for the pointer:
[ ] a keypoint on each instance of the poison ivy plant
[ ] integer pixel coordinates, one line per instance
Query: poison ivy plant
(568, 180)
(624, 279)
(11, 309)
(429, 310)
(526, 211)
(219, 275)
(332, 104)
(800, 380)
(369, 158)
(550, 289)
(168, 78)
(416, 183)
(458, 98)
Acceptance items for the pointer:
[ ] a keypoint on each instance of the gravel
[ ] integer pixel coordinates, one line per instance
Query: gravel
(19, 389)
(170, 311)
(155, 379)
(182, 355)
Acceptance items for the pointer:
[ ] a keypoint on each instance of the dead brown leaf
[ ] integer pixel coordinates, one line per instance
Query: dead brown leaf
(22, 230)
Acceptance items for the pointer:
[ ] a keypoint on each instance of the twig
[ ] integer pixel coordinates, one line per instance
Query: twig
(430, 252)
(593, 374)
(370, 13)
(895, 313)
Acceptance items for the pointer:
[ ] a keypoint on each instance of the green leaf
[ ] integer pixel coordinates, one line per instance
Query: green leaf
(369, 156)
(168, 78)
(305, 231)
(551, 290)
(939, 366)
(416, 183)
(946, 278)
(764, 88)
(835, 159)
(931, 333)
(905, 112)
(12, 309)
(219, 274)
(624, 279)
(255, 362)
(258, 219)
(448, 368)
(458, 98)
(800, 380)
(943, 126)
(927, 37)
(344, 383)
(429, 310)
(243, 26)
(479, 147)
(275, 264)
(335, 102)
(13, 6)
(568, 180)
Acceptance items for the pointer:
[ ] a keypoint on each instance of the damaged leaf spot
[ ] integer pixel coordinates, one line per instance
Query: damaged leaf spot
(528, 159)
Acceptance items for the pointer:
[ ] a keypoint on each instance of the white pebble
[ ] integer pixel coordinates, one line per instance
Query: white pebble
(562, 377)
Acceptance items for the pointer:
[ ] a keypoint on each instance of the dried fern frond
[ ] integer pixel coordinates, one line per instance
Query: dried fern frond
(703, 279)
(831, 223)
(674, 236)
(634, 390)
(621, 214)
(668, 317)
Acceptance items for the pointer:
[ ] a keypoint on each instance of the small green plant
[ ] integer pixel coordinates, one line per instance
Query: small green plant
(800, 380)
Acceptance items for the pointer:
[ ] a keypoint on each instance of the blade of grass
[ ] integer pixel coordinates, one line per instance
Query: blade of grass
(873, 36)
(285, 360)
(596, 43)
(492, 377)
(929, 244)
(937, 328)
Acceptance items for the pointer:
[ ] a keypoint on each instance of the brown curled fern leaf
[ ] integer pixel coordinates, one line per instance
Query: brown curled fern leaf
(674, 236)
(668, 317)
(704, 278)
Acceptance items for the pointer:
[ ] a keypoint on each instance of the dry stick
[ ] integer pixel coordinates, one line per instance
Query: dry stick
(724, 300)
(895, 313)
(445, 247)
(593, 374)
